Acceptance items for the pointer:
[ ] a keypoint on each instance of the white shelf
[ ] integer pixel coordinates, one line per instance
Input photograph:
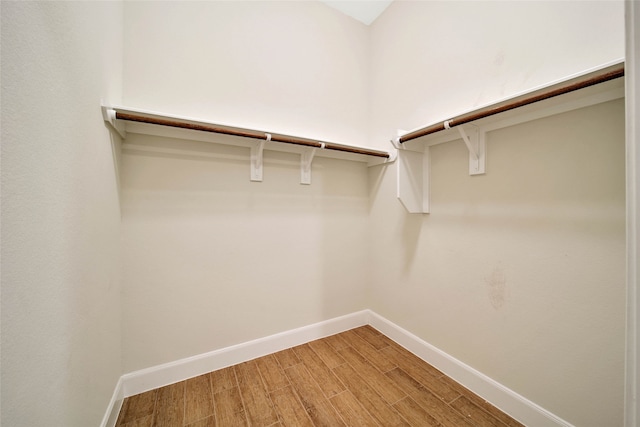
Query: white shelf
(136, 121)
(413, 180)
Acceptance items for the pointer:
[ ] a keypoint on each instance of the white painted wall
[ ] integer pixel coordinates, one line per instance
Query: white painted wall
(433, 60)
(210, 258)
(292, 67)
(518, 273)
(60, 213)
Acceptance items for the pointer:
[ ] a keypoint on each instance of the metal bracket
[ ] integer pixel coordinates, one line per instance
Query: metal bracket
(306, 158)
(475, 142)
(256, 159)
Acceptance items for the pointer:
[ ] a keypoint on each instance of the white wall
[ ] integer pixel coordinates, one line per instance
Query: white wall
(60, 213)
(518, 273)
(292, 67)
(433, 60)
(210, 258)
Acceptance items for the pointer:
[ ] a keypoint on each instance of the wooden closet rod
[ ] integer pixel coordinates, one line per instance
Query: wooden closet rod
(605, 76)
(247, 133)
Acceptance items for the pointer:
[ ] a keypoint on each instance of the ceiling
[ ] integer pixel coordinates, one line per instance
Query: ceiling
(365, 11)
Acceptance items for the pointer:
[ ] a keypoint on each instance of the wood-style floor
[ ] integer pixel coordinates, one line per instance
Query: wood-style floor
(355, 378)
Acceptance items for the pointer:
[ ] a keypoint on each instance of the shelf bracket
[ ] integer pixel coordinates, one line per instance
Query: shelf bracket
(306, 158)
(257, 158)
(474, 139)
(109, 116)
(413, 178)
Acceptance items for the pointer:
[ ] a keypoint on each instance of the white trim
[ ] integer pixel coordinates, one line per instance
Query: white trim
(594, 95)
(500, 396)
(505, 399)
(111, 416)
(576, 76)
(632, 102)
(172, 372)
(124, 127)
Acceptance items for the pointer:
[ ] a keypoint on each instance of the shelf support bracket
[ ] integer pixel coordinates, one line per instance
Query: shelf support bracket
(413, 178)
(474, 139)
(257, 158)
(306, 158)
(109, 116)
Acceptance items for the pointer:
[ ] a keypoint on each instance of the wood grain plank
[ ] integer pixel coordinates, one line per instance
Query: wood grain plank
(328, 355)
(229, 408)
(352, 411)
(272, 374)
(317, 406)
(287, 358)
(404, 359)
(481, 403)
(170, 406)
(210, 421)
(258, 405)
(327, 381)
(414, 413)
(289, 408)
(375, 357)
(198, 399)
(223, 379)
(376, 380)
(434, 405)
(140, 422)
(385, 414)
(138, 406)
(405, 381)
(336, 342)
(440, 410)
(475, 414)
(373, 337)
(424, 373)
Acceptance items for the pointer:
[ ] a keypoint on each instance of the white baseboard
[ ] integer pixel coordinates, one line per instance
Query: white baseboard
(111, 416)
(505, 399)
(500, 396)
(169, 373)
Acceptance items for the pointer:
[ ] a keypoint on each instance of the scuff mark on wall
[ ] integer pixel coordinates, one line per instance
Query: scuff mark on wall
(496, 283)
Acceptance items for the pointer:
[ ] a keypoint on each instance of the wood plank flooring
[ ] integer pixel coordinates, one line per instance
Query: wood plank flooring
(356, 378)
